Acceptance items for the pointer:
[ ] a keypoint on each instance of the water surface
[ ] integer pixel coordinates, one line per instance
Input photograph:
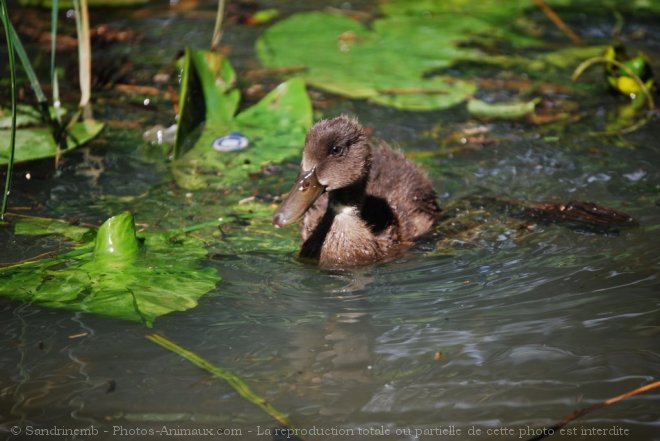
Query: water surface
(510, 333)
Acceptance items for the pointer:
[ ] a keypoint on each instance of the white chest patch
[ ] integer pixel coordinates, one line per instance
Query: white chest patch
(340, 209)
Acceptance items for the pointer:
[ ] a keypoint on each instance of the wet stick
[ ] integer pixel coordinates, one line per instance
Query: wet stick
(581, 412)
(557, 21)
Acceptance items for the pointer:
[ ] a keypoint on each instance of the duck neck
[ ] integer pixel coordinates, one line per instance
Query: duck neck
(348, 197)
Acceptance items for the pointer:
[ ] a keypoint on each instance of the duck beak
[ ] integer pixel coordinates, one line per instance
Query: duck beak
(303, 194)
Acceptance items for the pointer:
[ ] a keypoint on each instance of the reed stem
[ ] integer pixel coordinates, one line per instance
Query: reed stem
(12, 137)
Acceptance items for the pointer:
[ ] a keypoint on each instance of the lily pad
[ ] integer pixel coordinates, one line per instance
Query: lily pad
(388, 65)
(38, 142)
(120, 276)
(402, 60)
(37, 226)
(275, 127)
(491, 8)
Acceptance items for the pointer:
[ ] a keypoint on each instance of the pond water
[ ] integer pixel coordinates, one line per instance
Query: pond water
(509, 333)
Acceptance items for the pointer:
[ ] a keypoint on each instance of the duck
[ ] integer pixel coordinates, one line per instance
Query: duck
(357, 205)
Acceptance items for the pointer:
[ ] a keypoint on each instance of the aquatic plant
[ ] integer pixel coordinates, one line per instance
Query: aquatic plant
(112, 271)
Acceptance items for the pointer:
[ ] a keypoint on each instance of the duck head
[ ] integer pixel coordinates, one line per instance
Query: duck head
(337, 155)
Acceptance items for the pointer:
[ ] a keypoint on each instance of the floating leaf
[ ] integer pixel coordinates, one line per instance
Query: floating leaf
(263, 16)
(25, 116)
(37, 226)
(275, 127)
(387, 65)
(509, 110)
(396, 61)
(492, 8)
(564, 58)
(115, 278)
(38, 142)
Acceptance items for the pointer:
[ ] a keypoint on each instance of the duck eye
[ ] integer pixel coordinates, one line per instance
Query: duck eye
(336, 150)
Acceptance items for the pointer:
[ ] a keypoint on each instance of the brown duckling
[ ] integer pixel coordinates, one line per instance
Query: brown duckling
(359, 206)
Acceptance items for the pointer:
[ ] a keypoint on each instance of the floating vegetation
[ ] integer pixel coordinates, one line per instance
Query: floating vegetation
(276, 125)
(112, 271)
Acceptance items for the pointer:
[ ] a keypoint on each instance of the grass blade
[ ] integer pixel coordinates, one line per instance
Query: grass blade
(234, 381)
(217, 29)
(25, 61)
(4, 16)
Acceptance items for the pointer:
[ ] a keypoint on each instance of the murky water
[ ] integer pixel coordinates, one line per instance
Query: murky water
(494, 341)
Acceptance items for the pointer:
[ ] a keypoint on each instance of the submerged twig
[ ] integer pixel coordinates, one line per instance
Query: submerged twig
(557, 21)
(581, 412)
(573, 213)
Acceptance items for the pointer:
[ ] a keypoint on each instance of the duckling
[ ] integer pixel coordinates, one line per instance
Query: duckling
(358, 206)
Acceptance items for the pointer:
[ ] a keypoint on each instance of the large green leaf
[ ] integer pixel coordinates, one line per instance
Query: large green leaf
(389, 64)
(398, 59)
(116, 277)
(275, 126)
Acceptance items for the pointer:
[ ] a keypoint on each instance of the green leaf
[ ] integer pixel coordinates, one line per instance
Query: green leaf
(508, 110)
(25, 116)
(564, 58)
(264, 15)
(208, 93)
(113, 279)
(621, 80)
(388, 65)
(275, 126)
(492, 8)
(218, 80)
(37, 226)
(38, 142)
(116, 238)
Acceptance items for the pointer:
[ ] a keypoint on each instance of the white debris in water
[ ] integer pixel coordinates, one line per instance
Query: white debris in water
(160, 135)
(599, 177)
(635, 176)
(230, 143)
